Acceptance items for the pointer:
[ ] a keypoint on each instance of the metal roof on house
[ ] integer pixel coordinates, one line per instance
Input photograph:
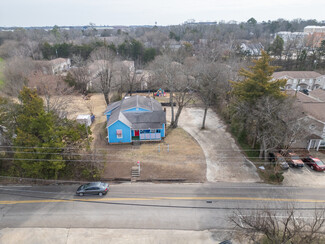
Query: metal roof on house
(140, 102)
(112, 106)
(154, 118)
(297, 74)
(146, 120)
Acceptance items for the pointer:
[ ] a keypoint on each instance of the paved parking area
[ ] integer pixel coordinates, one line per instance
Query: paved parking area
(305, 176)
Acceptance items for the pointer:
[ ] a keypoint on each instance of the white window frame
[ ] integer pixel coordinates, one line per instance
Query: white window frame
(118, 135)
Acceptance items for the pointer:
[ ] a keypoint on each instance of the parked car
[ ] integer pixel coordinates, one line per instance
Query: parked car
(292, 159)
(279, 159)
(93, 188)
(314, 163)
(305, 91)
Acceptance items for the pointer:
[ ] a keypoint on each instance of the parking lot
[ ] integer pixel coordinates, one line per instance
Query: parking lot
(305, 176)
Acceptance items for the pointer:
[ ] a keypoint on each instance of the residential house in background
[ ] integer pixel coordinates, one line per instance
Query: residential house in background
(54, 66)
(301, 79)
(59, 65)
(135, 118)
(252, 49)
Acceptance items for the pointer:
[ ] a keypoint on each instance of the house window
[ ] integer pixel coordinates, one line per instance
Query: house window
(312, 127)
(119, 134)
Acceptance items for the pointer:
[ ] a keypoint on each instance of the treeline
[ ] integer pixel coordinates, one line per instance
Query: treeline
(132, 49)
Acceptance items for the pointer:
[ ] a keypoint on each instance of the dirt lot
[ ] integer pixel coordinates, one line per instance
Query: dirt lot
(179, 156)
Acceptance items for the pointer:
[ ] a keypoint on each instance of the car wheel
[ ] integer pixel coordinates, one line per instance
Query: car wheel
(100, 194)
(81, 194)
(312, 167)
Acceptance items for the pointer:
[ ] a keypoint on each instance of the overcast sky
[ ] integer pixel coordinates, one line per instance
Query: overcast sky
(147, 12)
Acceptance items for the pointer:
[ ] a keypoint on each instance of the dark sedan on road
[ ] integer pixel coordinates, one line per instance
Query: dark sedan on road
(94, 188)
(314, 163)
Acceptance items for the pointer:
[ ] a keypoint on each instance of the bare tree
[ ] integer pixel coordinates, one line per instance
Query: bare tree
(16, 72)
(54, 90)
(268, 226)
(184, 87)
(273, 123)
(212, 84)
(166, 73)
(104, 60)
(81, 77)
(129, 79)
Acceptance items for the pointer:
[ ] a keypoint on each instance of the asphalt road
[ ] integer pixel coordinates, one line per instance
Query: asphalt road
(149, 206)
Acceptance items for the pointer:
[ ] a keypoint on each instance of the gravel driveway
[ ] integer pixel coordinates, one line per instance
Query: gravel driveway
(223, 157)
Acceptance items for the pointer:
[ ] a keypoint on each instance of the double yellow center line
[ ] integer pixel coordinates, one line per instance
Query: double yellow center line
(162, 198)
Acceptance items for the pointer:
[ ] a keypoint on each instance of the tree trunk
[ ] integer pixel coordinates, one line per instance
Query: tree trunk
(254, 139)
(204, 117)
(178, 113)
(171, 100)
(106, 96)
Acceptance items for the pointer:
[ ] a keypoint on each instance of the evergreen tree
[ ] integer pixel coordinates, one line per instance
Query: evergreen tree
(41, 138)
(258, 81)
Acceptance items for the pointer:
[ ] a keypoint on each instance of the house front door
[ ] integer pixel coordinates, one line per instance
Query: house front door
(136, 133)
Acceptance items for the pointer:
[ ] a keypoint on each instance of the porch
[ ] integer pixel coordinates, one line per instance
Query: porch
(315, 142)
(146, 135)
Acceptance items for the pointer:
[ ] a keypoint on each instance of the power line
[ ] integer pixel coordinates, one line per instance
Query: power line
(171, 148)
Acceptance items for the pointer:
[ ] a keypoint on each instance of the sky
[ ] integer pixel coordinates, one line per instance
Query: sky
(25, 13)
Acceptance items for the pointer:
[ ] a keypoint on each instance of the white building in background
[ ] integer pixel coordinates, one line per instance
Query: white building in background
(59, 65)
(314, 29)
(291, 36)
(253, 49)
(54, 66)
(310, 80)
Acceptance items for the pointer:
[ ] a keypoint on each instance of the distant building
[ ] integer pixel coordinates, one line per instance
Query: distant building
(301, 79)
(54, 66)
(314, 29)
(253, 49)
(287, 36)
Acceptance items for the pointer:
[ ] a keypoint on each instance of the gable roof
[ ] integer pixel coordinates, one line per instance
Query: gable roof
(154, 118)
(112, 106)
(310, 105)
(146, 120)
(318, 94)
(297, 74)
(140, 102)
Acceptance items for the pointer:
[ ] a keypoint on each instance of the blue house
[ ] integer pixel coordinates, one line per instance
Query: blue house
(135, 118)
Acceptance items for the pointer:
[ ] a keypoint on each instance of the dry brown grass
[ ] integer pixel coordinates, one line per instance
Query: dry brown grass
(184, 160)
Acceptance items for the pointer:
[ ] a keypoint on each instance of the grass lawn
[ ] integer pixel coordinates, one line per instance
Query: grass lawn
(1, 71)
(179, 156)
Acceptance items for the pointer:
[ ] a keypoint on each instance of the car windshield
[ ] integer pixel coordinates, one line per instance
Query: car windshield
(82, 187)
(319, 163)
(295, 157)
